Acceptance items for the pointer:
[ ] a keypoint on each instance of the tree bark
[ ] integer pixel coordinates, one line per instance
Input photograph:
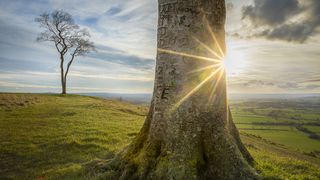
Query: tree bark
(67, 71)
(63, 83)
(195, 138)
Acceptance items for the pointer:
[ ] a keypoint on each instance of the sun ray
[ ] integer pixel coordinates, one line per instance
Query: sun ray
(216, 86)
(208, 48)
(189, 55)
(217, 59)
(196, 88)
(205, 68)
(213, 37)
(227, 97)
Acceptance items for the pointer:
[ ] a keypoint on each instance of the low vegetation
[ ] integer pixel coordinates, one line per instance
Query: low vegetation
(55, 137)
(293, 123)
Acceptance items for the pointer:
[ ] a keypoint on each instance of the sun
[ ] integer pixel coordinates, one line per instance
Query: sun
(224, 63)
(235, 61)
(218, 64)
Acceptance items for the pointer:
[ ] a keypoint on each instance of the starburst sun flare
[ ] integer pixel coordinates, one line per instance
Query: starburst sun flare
(218, 64)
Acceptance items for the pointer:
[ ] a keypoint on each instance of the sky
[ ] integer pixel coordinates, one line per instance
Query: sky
(273, 46)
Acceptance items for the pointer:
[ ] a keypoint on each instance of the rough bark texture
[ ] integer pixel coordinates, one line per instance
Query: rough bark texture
(198, 139)
(63, 84)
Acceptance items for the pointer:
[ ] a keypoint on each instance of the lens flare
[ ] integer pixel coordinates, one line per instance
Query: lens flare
(189, 55)
(196, 88)
(218, 65)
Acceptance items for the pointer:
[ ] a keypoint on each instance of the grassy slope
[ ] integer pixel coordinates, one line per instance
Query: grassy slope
(50, 137)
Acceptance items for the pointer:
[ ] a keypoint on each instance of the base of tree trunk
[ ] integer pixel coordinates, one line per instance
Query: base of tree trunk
(197, 154)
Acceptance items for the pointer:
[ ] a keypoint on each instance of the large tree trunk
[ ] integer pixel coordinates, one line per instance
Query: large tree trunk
(194, 137)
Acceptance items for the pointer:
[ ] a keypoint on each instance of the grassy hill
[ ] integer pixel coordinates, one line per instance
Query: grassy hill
(53, 136)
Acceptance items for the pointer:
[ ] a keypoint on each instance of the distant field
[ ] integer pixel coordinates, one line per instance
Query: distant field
(53, 136)
(279, 121)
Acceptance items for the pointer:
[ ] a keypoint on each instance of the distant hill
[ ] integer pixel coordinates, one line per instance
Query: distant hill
(272, 96)
(146, 98)
(134, 98)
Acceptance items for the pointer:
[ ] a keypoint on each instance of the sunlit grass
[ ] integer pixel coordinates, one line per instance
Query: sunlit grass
(51, 135)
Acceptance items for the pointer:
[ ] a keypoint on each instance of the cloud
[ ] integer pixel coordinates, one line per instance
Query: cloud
(286, 20)
(312, 86)
(289, 85)
(113, 10)
(313, 80)
(253, 83)
(289, 32)
(120, 57)
(24, 87)
(120, 77)
(270, 12)
(275, 85)
(41, 81)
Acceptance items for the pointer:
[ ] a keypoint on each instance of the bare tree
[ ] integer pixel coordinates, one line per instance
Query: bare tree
(69, 40)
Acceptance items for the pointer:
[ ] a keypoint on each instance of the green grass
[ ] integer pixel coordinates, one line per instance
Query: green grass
(274, 161)
(247, 116)
(292, 139)
(285, 135)
(315, 129)
(53, 136)
(252, 118)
